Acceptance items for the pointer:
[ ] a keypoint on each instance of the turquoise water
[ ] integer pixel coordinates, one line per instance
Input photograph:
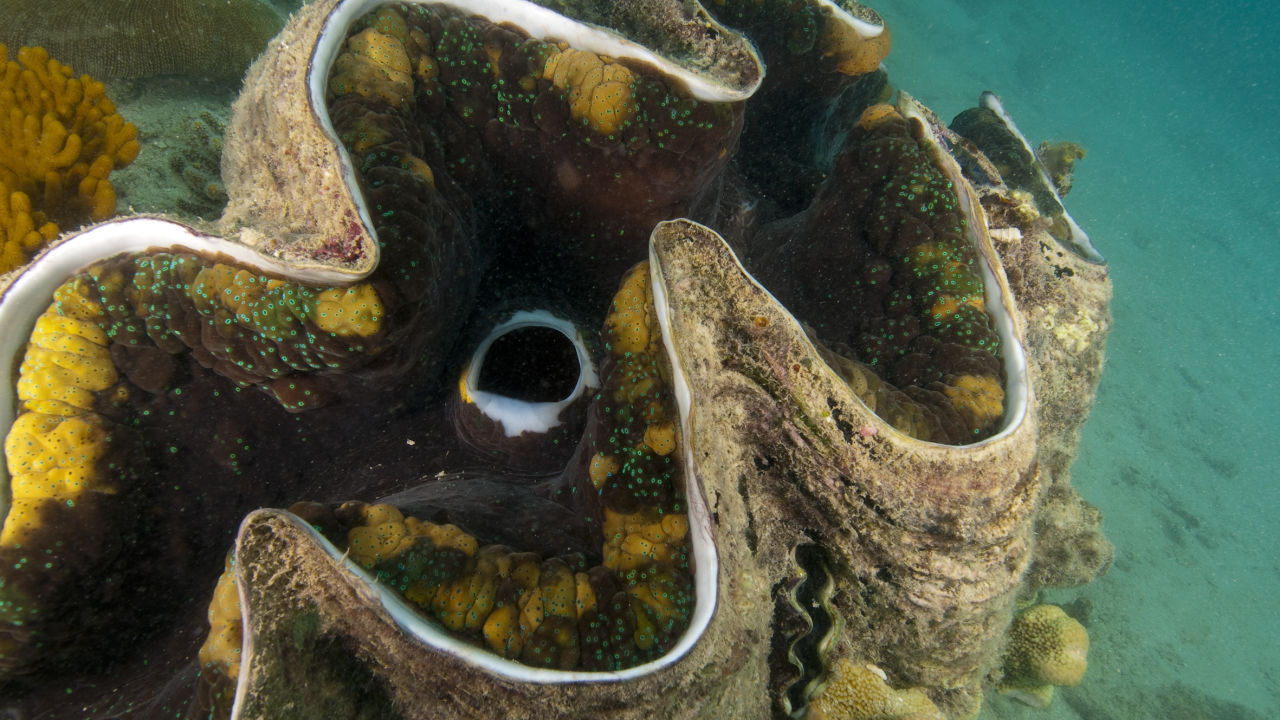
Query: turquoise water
(1176, 104)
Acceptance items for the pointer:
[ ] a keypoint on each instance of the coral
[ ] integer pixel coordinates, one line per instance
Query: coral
(56, 447)
(144, 38)
(220, 652)
(859, 691)
(1076, 334)
(599, 93)
(59, 139)
(19, 236)
(1045, 647)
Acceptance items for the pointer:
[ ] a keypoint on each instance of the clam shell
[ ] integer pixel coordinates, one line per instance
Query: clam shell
(779, 453)
(916, 534)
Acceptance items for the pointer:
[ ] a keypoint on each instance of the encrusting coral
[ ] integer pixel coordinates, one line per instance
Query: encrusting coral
(1046, 647)
(60, 137)
(220, 654)
(860, 692)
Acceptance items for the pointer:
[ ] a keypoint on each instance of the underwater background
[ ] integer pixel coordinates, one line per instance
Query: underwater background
(1176, 105)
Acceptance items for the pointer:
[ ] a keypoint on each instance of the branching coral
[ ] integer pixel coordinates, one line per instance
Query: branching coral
(18, 232)
(60, 136)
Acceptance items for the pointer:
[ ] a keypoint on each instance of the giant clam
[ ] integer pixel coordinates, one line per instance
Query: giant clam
(815, 427)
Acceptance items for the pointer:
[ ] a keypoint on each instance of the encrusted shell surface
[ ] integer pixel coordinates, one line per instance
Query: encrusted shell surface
(290, 186)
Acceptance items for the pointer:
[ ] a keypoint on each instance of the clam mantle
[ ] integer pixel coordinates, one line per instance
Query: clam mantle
(526, 470)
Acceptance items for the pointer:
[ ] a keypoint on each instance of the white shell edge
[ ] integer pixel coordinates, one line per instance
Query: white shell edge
(518, 416)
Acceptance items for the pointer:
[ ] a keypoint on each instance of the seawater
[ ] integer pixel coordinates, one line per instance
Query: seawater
(1177, 106)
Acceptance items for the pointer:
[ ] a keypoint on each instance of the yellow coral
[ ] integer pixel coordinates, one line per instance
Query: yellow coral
(599, 90)
(375, 64)
(1076, 334)
(60, 137)
(1046, 647)
(859, 691)
(57, 447)
(852, 53)
(979, 398)
(346, 312)
(221, 650)
(627, 328)
(876, 115)
(19, 236)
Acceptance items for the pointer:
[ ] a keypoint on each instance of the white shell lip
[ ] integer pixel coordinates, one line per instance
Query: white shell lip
(518, 416)
(999, 305)
(1078, 241)
(537, 21)
(865, 29)
(997, 297)
(31, 292)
